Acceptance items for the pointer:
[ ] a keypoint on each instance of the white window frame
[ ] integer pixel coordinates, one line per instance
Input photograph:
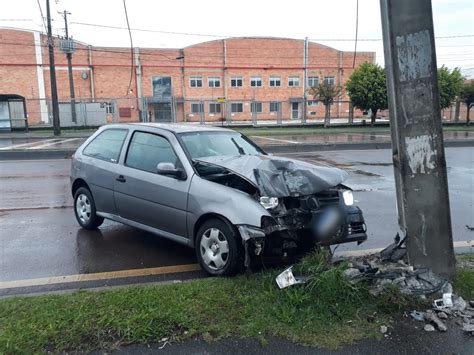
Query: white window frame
(236, 103)
(195, 80)
(294, 81)
(213, 80)
(235, 78)
(313, 103)
(313, 79)
(273, 81)
(257, 80)
(330, 78)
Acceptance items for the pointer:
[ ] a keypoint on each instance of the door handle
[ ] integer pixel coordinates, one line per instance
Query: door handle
(121, 178)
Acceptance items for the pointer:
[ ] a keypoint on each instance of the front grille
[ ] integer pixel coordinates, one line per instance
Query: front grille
(328, 198)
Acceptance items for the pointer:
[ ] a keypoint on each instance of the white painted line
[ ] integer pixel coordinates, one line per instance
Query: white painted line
(53, 143)
(460, 244)
(276, 140)
(23, 145)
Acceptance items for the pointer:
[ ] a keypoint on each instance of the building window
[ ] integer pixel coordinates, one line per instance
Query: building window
(236, 82)
(329, 80)
(195, 82)
(236, 107)
(197, 108)
(275, 81)
(214, 108)
(313, 81)
(256, 107)
(274, 106)
(313, 103)
(109, 108)
(214, 82)
(256, 81)
(294, 81)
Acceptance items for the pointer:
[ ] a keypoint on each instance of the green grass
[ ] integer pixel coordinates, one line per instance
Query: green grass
(327, 311)
(464, 284)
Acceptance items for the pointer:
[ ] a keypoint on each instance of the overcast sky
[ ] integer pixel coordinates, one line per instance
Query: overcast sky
(318, 20)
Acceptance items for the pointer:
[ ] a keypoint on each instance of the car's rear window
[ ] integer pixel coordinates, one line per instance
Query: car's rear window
(107, 145)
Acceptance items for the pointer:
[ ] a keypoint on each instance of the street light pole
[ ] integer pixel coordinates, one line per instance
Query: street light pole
(52, 73)
(71, 76)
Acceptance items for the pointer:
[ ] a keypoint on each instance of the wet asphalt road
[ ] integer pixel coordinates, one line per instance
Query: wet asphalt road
(40, 238)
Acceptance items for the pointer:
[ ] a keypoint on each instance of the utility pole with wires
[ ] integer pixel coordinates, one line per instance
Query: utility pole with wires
(52, 73)
(68, 46)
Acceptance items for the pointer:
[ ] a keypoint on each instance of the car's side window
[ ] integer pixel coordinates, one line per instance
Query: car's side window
(107, 145)
(147, 150)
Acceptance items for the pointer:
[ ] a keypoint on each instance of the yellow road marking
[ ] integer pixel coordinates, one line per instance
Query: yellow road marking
(45, 281)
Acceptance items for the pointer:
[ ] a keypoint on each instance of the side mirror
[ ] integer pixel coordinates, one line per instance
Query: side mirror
(169, 169)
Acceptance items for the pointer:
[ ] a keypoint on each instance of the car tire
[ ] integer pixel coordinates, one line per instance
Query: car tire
(85, 211)
(219, 249)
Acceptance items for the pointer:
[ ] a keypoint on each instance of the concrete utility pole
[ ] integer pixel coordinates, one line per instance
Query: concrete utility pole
(52, 73)
(417, 135)
(69, 69)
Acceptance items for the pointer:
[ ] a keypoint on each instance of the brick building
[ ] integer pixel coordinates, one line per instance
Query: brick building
(234, 79)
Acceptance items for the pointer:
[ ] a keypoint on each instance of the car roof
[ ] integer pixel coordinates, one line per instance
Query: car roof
(172, 127)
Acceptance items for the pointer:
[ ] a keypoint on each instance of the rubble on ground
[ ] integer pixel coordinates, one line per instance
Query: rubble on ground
(389, 269)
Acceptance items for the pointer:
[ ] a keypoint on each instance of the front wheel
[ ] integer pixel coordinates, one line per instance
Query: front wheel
(84, 209)
(218, 248)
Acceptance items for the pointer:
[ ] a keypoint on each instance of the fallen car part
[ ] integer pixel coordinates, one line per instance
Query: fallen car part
(445, 302)
(286, 279)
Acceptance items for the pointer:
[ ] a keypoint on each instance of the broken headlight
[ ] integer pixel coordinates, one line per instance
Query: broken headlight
(348, 197)
(269, 202)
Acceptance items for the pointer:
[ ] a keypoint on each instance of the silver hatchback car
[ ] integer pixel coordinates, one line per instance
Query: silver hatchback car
(212, 189)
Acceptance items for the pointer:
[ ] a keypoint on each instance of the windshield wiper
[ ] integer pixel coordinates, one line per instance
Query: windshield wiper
(241, 150)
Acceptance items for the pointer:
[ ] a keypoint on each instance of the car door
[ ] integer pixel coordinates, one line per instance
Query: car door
(98, 165)
(144, 196)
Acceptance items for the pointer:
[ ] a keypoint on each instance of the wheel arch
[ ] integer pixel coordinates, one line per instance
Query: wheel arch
(207, 216)
(78, 183)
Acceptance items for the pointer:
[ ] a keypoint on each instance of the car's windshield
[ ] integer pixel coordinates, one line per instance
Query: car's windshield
(208, 144)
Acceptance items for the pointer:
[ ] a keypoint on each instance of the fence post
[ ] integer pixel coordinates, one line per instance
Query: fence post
(351, 113)
(202, 119)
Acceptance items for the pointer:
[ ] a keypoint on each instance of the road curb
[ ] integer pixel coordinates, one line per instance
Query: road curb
(270, 148)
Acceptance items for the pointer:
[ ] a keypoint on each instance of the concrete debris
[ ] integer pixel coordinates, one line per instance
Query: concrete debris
(352, 273)
(468, 328)
(459, 304)
(383, 329)
(442, 315)
(429, 328)
(419, 316)
(433, 318)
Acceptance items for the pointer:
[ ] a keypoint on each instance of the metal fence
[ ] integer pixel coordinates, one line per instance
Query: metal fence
(18, 114)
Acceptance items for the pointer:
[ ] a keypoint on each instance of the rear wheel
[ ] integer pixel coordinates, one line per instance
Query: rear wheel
(218, 248)
(84, 209)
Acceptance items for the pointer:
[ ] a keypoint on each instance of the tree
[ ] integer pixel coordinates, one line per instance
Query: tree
(467, 96)
(326, 93)
(450, 84)
(367, 89)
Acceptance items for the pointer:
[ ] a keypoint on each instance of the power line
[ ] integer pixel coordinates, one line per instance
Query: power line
(42, 17)
(356, 33)
(131, 47)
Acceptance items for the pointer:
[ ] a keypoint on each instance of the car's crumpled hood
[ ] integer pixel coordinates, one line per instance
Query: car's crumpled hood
(280, 177)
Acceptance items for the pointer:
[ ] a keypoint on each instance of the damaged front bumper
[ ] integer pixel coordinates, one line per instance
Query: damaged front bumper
(302, 223)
